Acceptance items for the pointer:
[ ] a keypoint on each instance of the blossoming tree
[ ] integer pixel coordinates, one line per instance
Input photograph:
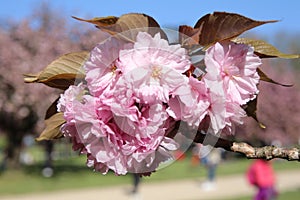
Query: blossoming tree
(22, 112)
(135, 98)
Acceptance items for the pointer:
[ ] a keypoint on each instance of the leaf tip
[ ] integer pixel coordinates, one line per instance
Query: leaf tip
(30, 78)
(39, 139)
(77, 18)
(261, 125)
(273, 21)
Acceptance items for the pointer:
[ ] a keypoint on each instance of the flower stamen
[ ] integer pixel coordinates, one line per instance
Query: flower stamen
(156, 72)
(113, 68)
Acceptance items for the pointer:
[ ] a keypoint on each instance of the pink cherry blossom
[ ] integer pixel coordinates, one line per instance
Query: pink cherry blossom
(234, 115)
(190, 102)
(135, 93)
(82, 124)
(217, 107)
(67, 100)
(121, 123)
(151, 52)
(232, 81)
(235, 65)
(153, 67)
(100, 67)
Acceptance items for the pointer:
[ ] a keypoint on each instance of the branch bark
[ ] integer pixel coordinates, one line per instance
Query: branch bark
(266, 152)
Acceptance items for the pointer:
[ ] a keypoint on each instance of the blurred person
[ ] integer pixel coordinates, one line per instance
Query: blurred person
(47, 170)
(261, 175)
(134, 192)
(136, 182)
(210, 157)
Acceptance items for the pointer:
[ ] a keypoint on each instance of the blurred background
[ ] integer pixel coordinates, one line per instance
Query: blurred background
(33, 33)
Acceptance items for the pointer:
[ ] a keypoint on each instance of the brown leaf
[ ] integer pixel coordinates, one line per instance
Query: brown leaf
(30, 78)
(221, 26)
(101, 22)
(127, 25)
(62, 81)
(52, 110)
(188, 35)
(62, 72)
(250, 109)
(189, 39)
(264, 77)
(52, 130)
(263, 49)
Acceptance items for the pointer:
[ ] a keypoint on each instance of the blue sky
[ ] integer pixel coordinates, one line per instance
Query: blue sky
(169, 13)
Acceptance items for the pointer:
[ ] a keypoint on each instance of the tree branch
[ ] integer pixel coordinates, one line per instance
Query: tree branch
(266, 152)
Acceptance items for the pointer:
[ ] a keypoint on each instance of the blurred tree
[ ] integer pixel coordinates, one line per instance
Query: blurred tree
(278, 108)
(28, 46)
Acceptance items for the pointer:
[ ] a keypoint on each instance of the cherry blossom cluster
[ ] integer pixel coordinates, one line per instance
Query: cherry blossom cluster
(120, 114)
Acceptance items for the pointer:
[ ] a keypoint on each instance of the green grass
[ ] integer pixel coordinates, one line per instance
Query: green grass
(72, 173)
(2, 141)
(67, 176)
(291, 195)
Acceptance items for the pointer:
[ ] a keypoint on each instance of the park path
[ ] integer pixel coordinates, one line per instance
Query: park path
(227, 187)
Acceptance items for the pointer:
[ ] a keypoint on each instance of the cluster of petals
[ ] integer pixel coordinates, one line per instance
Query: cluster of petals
(232, 80)
(132, 92)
